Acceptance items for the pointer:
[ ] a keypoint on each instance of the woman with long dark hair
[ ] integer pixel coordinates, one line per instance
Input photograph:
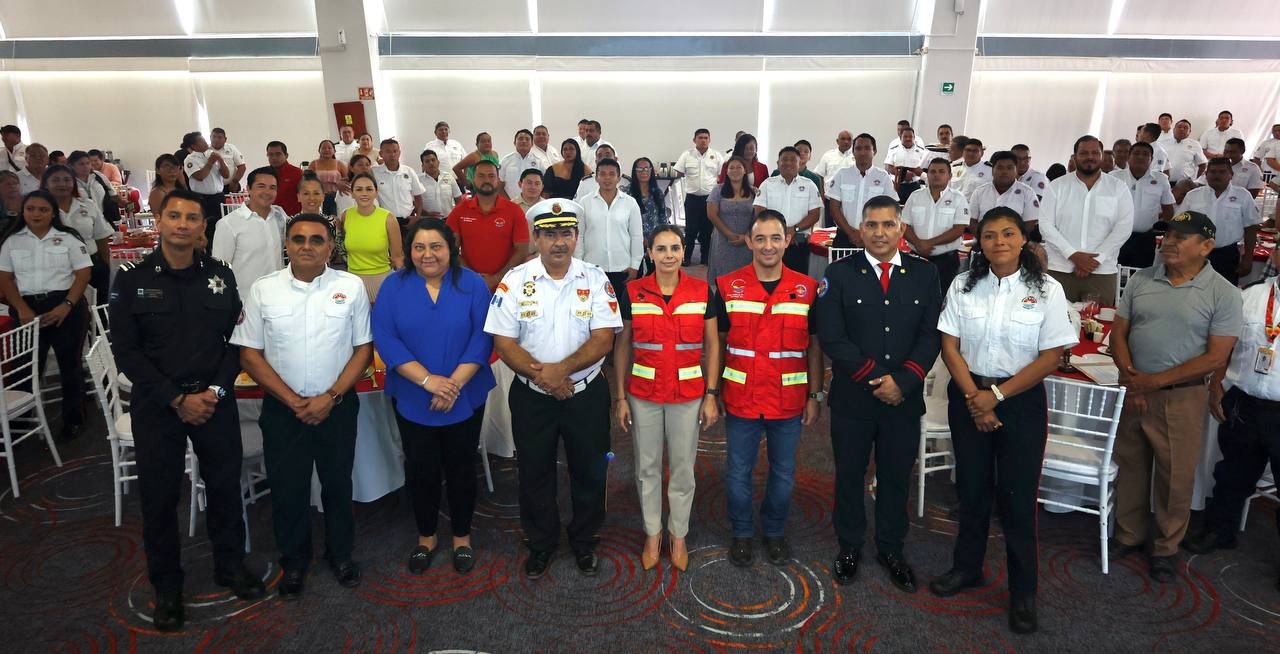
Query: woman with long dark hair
(168, 178)
(561, 180)
(730, 212)
(83, 216)
(653, 203)
(745, 149)
(330, 172)
(343, 201)
(428, 328)
(1003, 329)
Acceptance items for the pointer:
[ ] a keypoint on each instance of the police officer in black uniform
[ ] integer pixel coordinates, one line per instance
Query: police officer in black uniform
(877, 320)
(171, 317)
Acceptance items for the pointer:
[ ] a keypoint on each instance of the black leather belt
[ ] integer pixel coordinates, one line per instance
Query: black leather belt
(42, 297)
(988, 382)
(1185, 384)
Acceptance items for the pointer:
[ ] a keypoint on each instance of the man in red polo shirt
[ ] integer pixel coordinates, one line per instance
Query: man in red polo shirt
(493, 231)
(287, 178)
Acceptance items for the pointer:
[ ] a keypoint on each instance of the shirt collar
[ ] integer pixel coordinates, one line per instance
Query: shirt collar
(315, 283)
(577, 268)
(1201, 280)
(896, 261)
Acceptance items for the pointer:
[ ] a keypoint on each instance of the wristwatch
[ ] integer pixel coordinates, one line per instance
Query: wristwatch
(819, 396)
(219, 391)
(713, 392)
(995, 390)
(336, 397)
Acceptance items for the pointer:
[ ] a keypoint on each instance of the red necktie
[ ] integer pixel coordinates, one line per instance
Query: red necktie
(884, 276)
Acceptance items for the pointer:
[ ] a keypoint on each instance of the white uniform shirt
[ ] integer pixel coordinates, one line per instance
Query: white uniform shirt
(929, 219)
(1216, 141)
(92, 190)
(610, 235)
(1230, 212)
(1269, 147)
(15, 160)
(913, 157)
(27, 182)
(1246, 174)
(1240, 371)
(439, 194)
(343, 151)
(86, 219)
(306, 331)
(1184, 160)
(701, 170)
(794, 200)
(510, 167)
(43, 265)
(1150, 194)
(252, 245)
(213, 183)
(1018, 196)
(231, 156)
(1004, 324)
(971, 177)
(589, 151)
(831, 162)
(589, 185)
(552, 318)
(449, 153)
(1036, 180)
(396, 189)
(1074, 218)
(552, 157)
(1166, 138)
(852, 189)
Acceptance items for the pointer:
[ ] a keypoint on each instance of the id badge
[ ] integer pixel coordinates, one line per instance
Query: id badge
(1262, 362)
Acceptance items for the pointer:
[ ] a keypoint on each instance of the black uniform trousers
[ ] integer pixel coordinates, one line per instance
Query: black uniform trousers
(212, 205)
(67, 341)
(1003, 465)
(1248, 439)
(539, 423)
(1139, 251)
(161, 439)
(697, 227)
(948, 264)
(796, 256)
(1225, 260)
(291, 449)
(441, 453)
(100, 277)
(895, 433)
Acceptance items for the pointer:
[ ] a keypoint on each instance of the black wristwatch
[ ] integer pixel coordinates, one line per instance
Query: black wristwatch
(819, 396)
(713, 392)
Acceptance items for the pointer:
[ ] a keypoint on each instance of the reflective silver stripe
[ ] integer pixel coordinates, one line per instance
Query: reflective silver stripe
(688, 346)
(647, 346)
(741, 353)
(786, 355)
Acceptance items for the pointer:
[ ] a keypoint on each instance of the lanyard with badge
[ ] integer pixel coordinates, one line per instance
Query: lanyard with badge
(1267, 352)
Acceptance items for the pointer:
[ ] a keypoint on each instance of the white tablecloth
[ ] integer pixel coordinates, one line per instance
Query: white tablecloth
(379, 467)
(496, 432)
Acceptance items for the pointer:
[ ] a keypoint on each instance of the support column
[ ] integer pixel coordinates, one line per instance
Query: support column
(951, 39)
(348, 66)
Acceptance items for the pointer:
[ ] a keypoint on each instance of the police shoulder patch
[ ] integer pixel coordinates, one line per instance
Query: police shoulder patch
(822, 287)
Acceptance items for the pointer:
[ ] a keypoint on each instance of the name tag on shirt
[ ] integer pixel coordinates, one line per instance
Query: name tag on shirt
(1263, 360)
(151, 293)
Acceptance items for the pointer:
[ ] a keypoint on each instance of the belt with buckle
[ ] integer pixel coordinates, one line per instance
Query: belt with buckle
(1185, 384)
(988, 382)
(578, 386)
(41, 297)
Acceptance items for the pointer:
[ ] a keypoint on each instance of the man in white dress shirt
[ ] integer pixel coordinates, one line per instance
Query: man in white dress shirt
(305, 337)
(944, 136)
(251, 238)
(399, 190)
(346, 145)
(439, 187)
(798, 200)
(836, 159)
(11, 159)
(450, 151)
(512, 165)
(592, 142)
(207, 174)
(850, 188)
(611, 232)
(33, 171)
(542, 143)
(1165, 123)
(936, 217)
(699, 167)
(1152, 202)
(1186, 156)
(906, 163)
(1004, 190)
(230, 154)
(1245, 174)
(1234, 215)
(1214, 140)
(1026, 174)
(589, 185)
(1267, 149)
(1085, 219)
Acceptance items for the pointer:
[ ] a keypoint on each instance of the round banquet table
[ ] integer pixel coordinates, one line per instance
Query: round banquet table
(378, 469)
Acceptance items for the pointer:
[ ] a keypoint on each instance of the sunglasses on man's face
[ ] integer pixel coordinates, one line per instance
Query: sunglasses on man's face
(315, 240)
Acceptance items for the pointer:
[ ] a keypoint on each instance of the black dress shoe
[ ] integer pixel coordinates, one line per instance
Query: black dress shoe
(1117, 550)
(900, 572)
(777, 550)
(740, 553)
(536, 565)
(1207, 541)
(846, 567)
(1022, 615)
(69, 433)
(291, 583)
(243, 583)
(169, 612)
(420, 558)
(955, 581)
(588, 563)
(347, 573)
(464, 560)
(1163, 570)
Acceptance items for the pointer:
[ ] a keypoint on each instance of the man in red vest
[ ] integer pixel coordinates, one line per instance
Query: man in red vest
(772, 381)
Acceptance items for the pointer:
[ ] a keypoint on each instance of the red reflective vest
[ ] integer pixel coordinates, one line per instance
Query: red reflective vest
(766, 370)
(666, 340)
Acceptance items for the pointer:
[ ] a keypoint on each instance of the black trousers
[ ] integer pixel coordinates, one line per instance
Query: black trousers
(212, 205)
(291, 449)
(896, 438)
(445, 452)
(1249, 440)
(161, 440)
(539, 423)
(905, 189)
(948, 264)
(67, 342)
(697, 227)
(1003, 465)
(1225, 260)
(1140, 250)
(100, 278)
(796, 256)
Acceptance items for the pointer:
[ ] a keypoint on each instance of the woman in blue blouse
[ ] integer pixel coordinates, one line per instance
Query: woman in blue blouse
(429, 329)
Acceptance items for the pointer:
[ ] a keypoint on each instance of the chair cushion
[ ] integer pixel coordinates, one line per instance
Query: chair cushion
(17, 400)
(123, 382)
(1075, 460)
(250, 439)
(124, 428)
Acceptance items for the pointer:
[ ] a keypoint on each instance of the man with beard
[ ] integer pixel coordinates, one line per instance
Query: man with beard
(491, 228)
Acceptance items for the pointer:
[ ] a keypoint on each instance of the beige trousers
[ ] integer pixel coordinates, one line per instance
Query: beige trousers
(1104, 286)
(676, 426)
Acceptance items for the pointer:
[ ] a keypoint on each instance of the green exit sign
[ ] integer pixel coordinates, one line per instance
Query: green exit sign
(948, 88)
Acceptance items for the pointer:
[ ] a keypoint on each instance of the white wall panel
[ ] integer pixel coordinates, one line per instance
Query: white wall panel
(816, 106)
(1023, 17)
(1048, 112)
(1134, 98)
(593, 16)
(442, 16)
(55, 18)
(470, 101)
(258, 107)
(843, 16)
(1242, 18)
(255, 17)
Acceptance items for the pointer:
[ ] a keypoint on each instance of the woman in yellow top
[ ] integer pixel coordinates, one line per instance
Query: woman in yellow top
(371, 236)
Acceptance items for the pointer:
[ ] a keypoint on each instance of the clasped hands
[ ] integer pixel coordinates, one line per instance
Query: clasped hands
(982, 408)
(553, 378)
(886, 390)
(197, 408)
(444, 392)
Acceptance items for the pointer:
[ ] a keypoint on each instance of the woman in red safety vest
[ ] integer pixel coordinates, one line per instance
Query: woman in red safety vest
(664, 388)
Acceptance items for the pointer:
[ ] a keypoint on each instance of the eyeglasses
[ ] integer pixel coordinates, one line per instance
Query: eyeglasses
(314, 240)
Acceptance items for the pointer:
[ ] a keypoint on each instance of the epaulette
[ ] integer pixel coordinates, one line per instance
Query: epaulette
(914, 255)
(128, 265)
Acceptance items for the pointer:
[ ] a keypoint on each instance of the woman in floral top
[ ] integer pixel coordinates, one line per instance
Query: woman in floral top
(652, 200)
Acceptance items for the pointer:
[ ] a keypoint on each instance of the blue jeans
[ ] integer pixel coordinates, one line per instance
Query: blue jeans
(743, 436)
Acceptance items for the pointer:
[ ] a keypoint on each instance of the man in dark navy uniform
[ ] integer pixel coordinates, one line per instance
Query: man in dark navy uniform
(171, 316)
(877, 320)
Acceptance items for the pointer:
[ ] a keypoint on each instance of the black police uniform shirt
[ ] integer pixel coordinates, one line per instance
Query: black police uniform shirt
(172, 327)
